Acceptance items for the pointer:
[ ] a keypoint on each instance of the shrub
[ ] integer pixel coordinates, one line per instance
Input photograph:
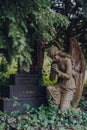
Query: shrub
(6, 70)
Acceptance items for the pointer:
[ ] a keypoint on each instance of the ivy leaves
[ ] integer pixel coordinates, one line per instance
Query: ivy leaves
(44, 118)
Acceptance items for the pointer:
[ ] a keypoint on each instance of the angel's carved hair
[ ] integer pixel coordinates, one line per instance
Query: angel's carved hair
(64, 54)
(53, 50)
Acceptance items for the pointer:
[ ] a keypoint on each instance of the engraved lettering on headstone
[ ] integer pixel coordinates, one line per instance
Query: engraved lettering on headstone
(20, 78)
(28, 92)
(26, 81)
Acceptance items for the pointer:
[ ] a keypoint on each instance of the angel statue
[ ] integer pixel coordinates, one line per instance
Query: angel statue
(69, 68)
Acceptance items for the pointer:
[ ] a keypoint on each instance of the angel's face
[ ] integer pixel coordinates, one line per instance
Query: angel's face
(55, 57)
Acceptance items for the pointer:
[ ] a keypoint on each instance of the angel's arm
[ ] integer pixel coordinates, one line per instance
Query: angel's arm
(52, 73)
(68, 73)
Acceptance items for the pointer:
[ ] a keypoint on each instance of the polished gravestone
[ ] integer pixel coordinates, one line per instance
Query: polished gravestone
(26, 88)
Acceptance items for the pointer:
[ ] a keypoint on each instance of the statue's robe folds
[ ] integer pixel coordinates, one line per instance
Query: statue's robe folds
(63, 91)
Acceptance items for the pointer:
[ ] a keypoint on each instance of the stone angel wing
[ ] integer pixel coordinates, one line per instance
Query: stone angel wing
(78, 68)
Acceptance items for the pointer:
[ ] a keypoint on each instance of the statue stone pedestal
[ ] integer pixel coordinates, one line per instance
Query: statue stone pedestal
(26, 88)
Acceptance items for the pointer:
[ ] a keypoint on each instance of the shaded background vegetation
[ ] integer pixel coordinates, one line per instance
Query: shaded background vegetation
(27, 27)
(25, 24)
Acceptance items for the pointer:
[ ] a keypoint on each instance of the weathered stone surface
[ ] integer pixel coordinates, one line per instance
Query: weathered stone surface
(4, 91)
(7, 105)
(24, 91)
(26, 87)
(27, 91)
(27, 79)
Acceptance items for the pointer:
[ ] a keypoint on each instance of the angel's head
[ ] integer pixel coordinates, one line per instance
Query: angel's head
(53, 52)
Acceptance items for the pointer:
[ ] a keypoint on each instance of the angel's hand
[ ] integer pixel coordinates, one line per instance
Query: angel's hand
(55, 68)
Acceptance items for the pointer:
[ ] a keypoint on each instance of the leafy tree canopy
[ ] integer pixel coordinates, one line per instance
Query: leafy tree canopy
(24, 23)
(75, 10)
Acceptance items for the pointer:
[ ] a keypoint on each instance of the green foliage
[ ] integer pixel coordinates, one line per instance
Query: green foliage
(84, 6)
(26, 23)
(83, 103)
(20, 45)
(44, 118)
(46, 71)
(46, 80)
(6, 70)
(4, 79)
(3, 65)
(16, 103)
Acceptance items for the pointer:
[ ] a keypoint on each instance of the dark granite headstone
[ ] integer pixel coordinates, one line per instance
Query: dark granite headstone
(26, 87)
(27, 79)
